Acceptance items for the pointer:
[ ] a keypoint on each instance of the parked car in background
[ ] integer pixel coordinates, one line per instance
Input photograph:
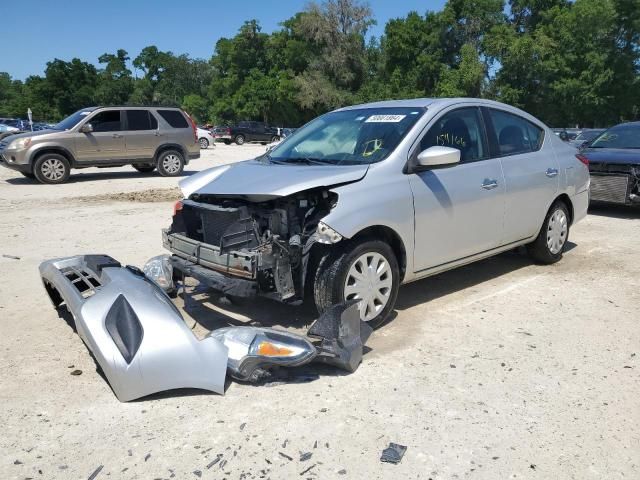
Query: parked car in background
(614, 164)
(367, 197)
(585, 136)
(245, 132)
(205, 138)
(144, 137)
(6, 128)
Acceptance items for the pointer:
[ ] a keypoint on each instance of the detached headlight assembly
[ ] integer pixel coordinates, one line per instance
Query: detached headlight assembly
(20, 144)
(327, 235)
(160, 271)
(253, 350)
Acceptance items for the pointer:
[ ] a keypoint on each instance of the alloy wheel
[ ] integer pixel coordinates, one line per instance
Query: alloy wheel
(52, 169)
(171, 163)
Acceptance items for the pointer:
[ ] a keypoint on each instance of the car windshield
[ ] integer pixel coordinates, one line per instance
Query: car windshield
(73, 119)
(348, 137)
(588, 135)
(621, 136)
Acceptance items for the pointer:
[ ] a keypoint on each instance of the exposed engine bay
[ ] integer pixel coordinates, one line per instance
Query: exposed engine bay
(261, 247)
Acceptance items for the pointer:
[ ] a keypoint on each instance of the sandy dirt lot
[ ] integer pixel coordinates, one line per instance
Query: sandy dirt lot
(501, 369)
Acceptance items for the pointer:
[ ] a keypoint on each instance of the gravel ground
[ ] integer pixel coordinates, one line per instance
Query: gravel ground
(501, 369)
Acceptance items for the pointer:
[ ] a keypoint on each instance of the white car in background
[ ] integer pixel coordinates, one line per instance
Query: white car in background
(205, 139)
(6, 128)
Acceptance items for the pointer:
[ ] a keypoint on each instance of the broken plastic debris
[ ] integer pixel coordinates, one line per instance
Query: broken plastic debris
(393, 453)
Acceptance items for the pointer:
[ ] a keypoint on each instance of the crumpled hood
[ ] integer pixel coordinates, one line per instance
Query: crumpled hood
(613, 155)
(261, 181)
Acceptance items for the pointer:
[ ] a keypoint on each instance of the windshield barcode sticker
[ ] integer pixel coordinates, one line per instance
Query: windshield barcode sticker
(385, 118)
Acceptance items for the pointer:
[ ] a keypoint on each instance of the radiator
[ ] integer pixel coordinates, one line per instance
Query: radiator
(609, 188)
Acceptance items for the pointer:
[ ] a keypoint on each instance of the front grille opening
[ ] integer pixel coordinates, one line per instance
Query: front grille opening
(83, 280)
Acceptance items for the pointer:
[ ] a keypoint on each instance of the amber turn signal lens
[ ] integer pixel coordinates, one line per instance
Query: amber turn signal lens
(268, 349)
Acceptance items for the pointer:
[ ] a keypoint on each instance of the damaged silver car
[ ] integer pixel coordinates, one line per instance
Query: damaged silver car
(368, 197)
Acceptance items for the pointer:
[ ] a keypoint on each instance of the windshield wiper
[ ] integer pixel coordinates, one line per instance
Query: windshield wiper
(303, 160)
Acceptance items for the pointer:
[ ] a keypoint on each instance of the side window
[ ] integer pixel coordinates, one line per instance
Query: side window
(461, 129)
(515, 134)
(174, 118)
(139, 120)
(107, 121)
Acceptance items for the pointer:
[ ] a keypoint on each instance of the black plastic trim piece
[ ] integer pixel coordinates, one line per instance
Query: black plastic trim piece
(125, 328)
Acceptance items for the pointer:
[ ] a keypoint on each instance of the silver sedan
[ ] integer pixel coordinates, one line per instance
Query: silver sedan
(368, 197)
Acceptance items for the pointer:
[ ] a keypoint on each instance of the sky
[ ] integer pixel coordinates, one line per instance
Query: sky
(87, 29)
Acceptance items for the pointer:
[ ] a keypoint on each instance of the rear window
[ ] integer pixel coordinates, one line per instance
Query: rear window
(141, 120)
(174, 118)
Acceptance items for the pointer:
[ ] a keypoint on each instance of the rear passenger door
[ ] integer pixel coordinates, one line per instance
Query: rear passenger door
(531, 172)
(142, 137)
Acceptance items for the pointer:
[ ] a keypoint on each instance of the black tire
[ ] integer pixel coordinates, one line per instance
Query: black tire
(239, 139)
(170, 163)
(28, 175)
(227, 142)
(204, 143)
(144, 168)
(275, 138)
(333, 268)
(51, 168)
(539, 249)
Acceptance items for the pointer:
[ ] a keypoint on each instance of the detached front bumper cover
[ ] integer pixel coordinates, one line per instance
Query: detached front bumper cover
(140, 340)
(134, 331)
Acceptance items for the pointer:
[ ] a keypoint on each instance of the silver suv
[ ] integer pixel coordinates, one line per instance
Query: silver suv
(144, 137)
(368, 197)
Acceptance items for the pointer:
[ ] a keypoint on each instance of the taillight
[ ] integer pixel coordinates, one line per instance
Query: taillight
(177, 207)
(582, 158)
(193, 127)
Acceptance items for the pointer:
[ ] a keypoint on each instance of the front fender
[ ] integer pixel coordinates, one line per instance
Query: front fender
(378, 200)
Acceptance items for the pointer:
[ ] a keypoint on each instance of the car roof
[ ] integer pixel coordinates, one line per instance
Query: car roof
(441, 103)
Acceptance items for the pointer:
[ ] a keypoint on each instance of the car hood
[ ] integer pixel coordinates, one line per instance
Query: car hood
(613, 155)
(260, 181)
(39, 133)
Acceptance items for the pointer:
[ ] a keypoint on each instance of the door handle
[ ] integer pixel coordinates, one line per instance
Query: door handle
(551, 172)
(489, 184)
(117, 135)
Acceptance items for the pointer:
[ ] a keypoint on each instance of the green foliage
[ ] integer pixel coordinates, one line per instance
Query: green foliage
(567, 62)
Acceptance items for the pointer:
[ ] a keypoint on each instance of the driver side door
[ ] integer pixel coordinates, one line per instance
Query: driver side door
(459, 210)
(105, 144)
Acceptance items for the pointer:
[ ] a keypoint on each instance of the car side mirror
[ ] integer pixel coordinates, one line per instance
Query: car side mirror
(86, 128)
(438, 157)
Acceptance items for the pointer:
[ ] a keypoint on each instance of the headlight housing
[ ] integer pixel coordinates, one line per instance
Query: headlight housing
(253, 350)
(160, 271)
(19, 144)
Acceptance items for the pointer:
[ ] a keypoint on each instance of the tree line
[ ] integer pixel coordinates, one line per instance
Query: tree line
(566, 62)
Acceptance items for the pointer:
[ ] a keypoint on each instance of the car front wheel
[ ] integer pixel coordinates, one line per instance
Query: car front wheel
(367, 271)
(52, 168)
(240, 140)
(204, 143)
(550, 242)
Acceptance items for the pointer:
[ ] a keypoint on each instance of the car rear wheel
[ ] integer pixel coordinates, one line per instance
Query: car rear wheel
(170, 163)
(51, 168)
(366, 271)
(275, 139)
(239, 139)
(204, 143)
(552, 239)
(145, 168)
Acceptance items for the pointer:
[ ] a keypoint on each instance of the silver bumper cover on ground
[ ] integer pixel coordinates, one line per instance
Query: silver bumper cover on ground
(134, 331)
(140, 340)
